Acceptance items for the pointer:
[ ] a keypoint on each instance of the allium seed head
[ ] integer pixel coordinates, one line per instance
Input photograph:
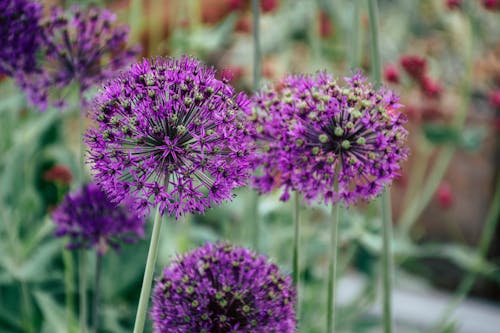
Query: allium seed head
(19, 35)
(80, 46)
(170, 134)
(90, 219)
(327, 141)
(219, 288)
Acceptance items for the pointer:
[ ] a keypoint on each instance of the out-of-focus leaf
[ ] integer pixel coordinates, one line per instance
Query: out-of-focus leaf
(472, 138)
(449, 328)
(440, 133)
(53, 313)
(9, 317)
(469, 138)
(35, 268)
(205, 39)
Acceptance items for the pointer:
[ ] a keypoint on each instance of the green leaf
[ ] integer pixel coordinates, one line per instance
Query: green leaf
(440, 133)
(472, 138)
(53, 313)
(469, 138)
(38, 264)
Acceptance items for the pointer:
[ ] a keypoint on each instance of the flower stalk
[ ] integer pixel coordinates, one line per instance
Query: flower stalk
(97, 292)
(332, 269)
(296, 246)
(142, 308)
(387, 260)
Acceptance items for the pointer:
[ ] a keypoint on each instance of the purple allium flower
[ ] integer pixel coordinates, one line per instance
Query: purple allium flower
(316, 133)
(90, 219)
(219, 288)
(19, 35)
(170, 134)
(80, 46)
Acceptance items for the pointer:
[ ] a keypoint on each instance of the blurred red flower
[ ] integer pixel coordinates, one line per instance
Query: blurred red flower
(495, 98)
(491, 4)
(325, 26)
(414, 65)
(268, 5)
(431, 88)
(391, 73)
(58, 174)
(444, 195)
(453, 4)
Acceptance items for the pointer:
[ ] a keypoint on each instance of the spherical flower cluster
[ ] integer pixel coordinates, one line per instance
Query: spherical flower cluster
(19, 35)
(90, 219)
(219, 288)
(170, 134)
(327, 141)
(79, 46)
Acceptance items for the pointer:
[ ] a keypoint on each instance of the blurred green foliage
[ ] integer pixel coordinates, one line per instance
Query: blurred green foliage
(33, 294)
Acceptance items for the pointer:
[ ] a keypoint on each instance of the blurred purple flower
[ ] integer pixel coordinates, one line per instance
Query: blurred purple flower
(91, 220)
(19, 35)
(221, 288)
(78, 47)
(314, 133)
(170, 134)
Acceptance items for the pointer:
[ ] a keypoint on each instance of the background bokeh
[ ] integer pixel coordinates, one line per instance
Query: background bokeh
(447, 194)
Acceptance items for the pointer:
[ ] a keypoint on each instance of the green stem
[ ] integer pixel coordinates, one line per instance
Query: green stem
(254, 200)
(135, 20)
(257, 53)
(27, 309)
(332, 269)
(296, 268)
(375, 51)
(386, 195)
(387, 260)
(142, 308)
(97, 279)
(83, 291)
(69, 286)
(484, 244)
(253, 213)
(354, 56)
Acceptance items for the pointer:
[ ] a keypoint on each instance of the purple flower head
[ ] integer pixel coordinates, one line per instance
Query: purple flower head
(219, 288)
(19, 35)
(329, 142)
(170, 134)
(91, 220)
(80, 46)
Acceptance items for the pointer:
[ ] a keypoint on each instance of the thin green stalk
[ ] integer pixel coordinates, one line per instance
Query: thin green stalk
(386, 195)
(254, 200)
(387, 260)
(355, 37)
(332, 269)
(296, 258)
(135, 20)
(484, 244)
(257, 53)
(97, 280)
(142, 308)
(69, 286)
(83, 291)
(27, 309)
(375, 50)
